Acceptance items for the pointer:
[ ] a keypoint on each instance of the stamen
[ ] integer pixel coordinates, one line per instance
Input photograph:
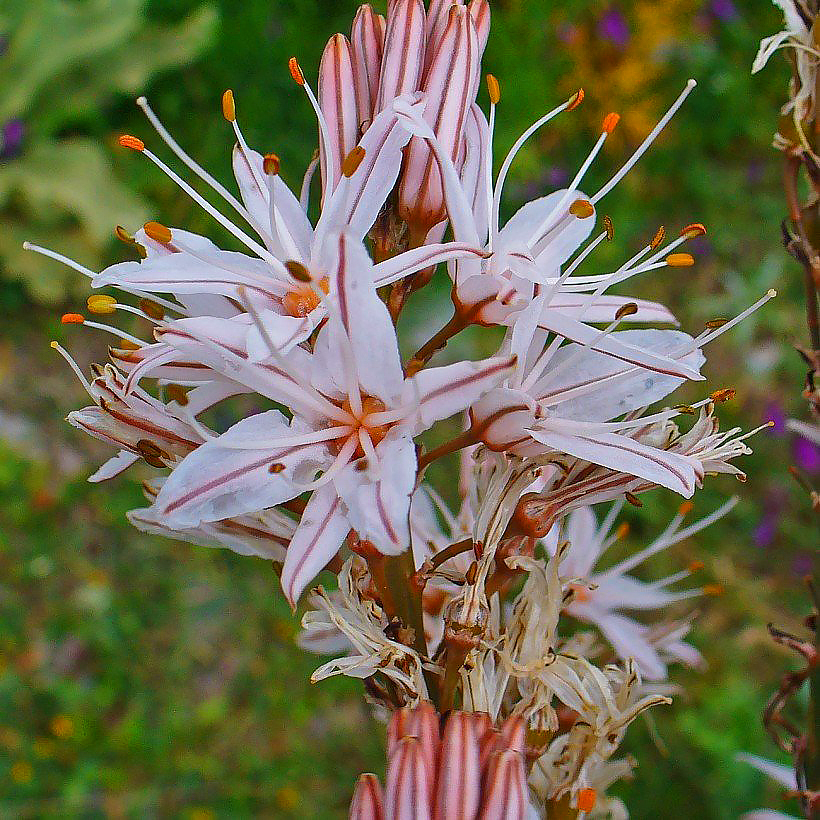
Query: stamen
(643, 147)
(581, 208)
(134, 143)
(493, 89)
(575, 100)
(629, 309)
(152, 309)
(352, 161)
(659, 236)
(229, 106)
(298, 271)
(610, 122)
(723, 395)
(177, 393)
(58, 257)
(75, 367)
(680, 260)
(610, 228)
(101, 304)
(158, 232)
(633, 500)
(713, 590)
(72, 318)
(271, 164)
(587, 799)
(707, 337)
(296, 71)
(694, 230)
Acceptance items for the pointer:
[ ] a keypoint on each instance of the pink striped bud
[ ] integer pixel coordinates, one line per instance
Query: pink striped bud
(458, 787)
(367, 48)
(368, 801)
(407, 795)
(505, 789)
(450, 85)
(337, 99)
(403, 51)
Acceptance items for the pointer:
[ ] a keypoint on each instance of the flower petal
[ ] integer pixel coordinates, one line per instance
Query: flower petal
(368, 801)
(318, 538)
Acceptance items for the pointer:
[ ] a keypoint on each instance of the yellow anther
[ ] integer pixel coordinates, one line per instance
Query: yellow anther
(127, 141)
(582, 208)
(101, 304)
(693, 230)
(680, 260)
(296, 71)
(54, 345)
(158, 232)
(657, 238)
(352, 161)
(623, 530)
(271, 164)
(610, 122)
(150, 308)
(71, 319)
(493, 89)
(123, 235)
(229, 106)
(629, 309)
(575, 100)
(610, 228)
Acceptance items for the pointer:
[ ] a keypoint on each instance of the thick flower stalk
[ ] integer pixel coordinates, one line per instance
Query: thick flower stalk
(451, 603)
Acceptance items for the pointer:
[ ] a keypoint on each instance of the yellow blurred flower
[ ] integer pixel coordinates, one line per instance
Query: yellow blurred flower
(62, 727)
(22, 772)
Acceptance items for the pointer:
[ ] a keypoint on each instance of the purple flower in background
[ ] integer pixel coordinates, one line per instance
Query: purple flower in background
(613, 27)
(557, 177)
(806, 454)
(11, 142)
(803, 564)
(774, 413)
(769, 525)
(724, 10)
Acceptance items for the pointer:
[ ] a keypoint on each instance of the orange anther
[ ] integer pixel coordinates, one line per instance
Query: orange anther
(725, 394)
(693, 230)
(657, 238)
(493, 89)
(158, 232)
(228, 106)
(127, 141)
(713, 590)
(271, 164)
(296, 71)
(696, 566)
(576, 99)
(680, 260)
(587, 799)
(610, 122)
(685, 508)
(623, 530)
(582, 208)
(72, 318)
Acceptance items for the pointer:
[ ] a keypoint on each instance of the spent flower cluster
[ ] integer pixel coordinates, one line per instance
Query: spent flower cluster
(465, 611)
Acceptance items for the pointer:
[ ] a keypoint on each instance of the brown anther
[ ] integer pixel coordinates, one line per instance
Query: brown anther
(582, 208)
(575, 100)
(150, 308)
(158, 232)
(127, 344)
(713, 324)
(127, 141)
(493, 89)
(693, 230)
(229, 106)
(276, 468)
(352, 161)
(296, 71)
(723, 395)
(72, 318)
(633, 500)
(680, 260)
(123, 235)
(629, 309)
(152, 454)
(177, 393)
(298, 271)
(657, 238)
(610, 228)
(472, 573)
(610, 122)
(685, 409)
(271, 164)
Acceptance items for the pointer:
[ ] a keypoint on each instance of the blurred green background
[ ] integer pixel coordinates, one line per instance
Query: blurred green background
(140, 677)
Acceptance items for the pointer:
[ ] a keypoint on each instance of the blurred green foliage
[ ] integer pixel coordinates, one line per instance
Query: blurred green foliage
(147, 678)
(63, 63)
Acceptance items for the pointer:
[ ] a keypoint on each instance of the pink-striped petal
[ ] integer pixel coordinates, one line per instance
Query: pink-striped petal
(458, 787)
(403, 56)
(406, 795)
(367, 47)
(505, 791)
(318, 538)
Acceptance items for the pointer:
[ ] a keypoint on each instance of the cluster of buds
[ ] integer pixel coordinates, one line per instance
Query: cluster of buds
(459, 608)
